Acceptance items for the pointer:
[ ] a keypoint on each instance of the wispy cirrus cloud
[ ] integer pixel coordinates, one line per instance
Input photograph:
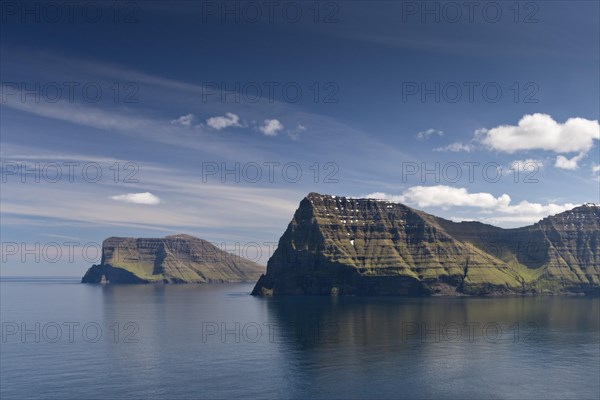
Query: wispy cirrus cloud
(142, 121)
(138, 126)
(185, 202)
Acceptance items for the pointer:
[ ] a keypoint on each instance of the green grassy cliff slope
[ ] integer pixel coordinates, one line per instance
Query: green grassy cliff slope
(338, 245)
(172, 259)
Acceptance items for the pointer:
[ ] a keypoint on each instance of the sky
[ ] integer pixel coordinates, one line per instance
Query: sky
(215, 119)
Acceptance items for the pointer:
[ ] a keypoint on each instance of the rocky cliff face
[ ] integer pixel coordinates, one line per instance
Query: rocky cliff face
(172, 259)
(344, 246)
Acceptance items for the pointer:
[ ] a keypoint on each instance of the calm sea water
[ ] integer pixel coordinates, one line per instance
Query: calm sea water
(65, 340)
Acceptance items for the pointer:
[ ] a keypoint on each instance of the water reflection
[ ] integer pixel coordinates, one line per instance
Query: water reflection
(389, 321)
(308, 347)
(411, 348)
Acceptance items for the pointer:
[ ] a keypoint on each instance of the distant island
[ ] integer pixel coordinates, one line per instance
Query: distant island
(172, 259)
(345, 246)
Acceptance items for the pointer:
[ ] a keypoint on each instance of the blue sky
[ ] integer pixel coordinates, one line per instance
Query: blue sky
(358, 97)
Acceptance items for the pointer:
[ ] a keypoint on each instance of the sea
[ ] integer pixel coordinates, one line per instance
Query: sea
(65, 340)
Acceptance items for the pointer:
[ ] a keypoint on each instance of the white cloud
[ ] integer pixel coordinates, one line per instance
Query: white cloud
(294, 134)
(568, 163)
(456, 147)
(528, 164)
(223, 212)
(271, 127)
(526, 213)
(541, 132)
(138, 198)
(596, 172)
(429, 132)
(222, 122)
(447, 196)
(384, 196)
(525, 208)
(184, 120)
(444, 196)
(130, 124)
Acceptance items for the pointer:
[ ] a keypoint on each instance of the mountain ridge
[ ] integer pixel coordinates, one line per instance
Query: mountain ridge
(172, 259)
(340, 245)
